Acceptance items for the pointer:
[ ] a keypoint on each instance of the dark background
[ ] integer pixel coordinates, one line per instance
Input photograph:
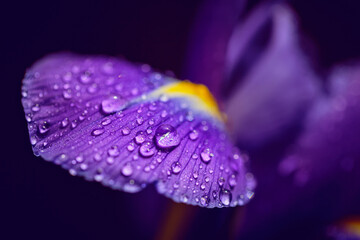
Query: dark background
(40, 199)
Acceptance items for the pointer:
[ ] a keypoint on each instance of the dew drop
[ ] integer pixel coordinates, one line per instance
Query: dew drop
(151, 122)
(140, 137)
(139, 120)
(176, 167)
(125, 131)
(97, 157)
(164, 113)
(206, 155)
(35, 108)
(83, 166)
(127, 170)
(44, 127)
(194, 135)
(33, 140)
(204, 200)
(106, 121)
(131, 147)
(72, 172)
(67, 94)
(110, 160)
(79, 159)
(85, 77)
(98, 177)
(185, 199)
(113, 104)
(97, 132)
(221, 181)
(164, 98)
(232, 181)
(147, 149)
(114, 151)
(225, 197)
(65, 122)
(166, 137)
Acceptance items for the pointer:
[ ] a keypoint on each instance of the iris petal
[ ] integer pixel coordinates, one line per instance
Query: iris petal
(279, 88)
(329, 142)
(126, 127)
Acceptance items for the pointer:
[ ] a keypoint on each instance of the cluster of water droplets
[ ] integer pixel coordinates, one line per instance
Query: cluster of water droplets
(149, 126)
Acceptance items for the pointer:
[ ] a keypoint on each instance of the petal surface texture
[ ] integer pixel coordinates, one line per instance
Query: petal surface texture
(126, 126)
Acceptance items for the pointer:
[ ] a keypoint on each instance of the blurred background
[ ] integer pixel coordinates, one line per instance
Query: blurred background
(42, 201)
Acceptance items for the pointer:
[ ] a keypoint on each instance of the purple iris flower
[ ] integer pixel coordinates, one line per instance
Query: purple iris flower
(128, 126)
(299, 126)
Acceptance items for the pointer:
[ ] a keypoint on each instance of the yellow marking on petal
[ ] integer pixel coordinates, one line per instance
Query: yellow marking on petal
(204, 100)
(353, 226)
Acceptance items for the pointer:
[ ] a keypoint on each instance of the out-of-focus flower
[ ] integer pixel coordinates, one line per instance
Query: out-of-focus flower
(300, 128)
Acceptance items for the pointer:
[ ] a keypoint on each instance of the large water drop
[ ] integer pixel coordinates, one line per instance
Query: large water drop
(166, 137)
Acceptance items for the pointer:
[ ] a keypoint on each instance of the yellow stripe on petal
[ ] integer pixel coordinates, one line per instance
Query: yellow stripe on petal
(201, 95)
(353, 226)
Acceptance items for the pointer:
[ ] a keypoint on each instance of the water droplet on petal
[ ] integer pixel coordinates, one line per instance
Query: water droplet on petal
(127, 170)
(83, 166)
(221, 181)
(139, 120)
(33, 140)
(125, 131)
(98, 177)
(106, 121)
(147, 149)
(72, 172)
(35, 108)
(204, 200)
(166, 137)
(140, 137)
(65, 122)
(176, 167)
(67, 94)
(131, 147)
(114, 151)
(85, 77)
(225, 197)
(206, 155)
(97, 132)
(232, 181)
(44, 127)
(194, 135)
(113, 104)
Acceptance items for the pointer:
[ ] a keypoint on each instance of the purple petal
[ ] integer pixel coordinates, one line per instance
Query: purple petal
(211, 33)
(278, 89)
(124, 126)
(330, 141)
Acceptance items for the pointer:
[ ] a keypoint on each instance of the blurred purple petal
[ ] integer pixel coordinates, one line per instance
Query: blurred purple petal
(111, 122)
(278, 90)
(212, 30)
(330, 141)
